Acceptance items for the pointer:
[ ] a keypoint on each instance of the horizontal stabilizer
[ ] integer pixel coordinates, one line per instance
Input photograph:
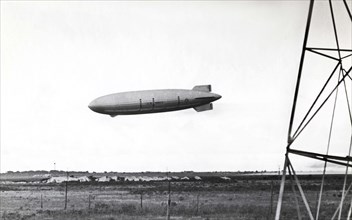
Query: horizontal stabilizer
(205, 107)
(202, 88)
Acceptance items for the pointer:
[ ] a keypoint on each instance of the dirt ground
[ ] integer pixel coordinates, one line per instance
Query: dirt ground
(244, 197)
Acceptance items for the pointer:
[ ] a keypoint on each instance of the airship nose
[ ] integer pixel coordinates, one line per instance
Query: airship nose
(93, 105)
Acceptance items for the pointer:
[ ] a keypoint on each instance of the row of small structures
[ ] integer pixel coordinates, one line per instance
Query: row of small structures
(61, 179)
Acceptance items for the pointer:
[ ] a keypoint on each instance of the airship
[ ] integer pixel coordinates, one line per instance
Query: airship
(153, 101)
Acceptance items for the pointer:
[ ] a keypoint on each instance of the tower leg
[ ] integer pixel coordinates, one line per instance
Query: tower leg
(281, 193)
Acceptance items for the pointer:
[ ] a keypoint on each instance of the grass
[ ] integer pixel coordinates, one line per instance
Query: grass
(243, 198)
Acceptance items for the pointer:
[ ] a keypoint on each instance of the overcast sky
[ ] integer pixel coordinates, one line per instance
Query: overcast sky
(56, 57)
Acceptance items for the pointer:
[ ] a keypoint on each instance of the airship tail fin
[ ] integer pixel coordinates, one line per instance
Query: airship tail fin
(202, 88)
(205, 107)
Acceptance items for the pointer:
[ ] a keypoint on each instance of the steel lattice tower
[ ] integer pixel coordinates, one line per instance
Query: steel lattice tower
(339, 78)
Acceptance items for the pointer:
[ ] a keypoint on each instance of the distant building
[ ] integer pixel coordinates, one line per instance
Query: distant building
(104, 179)
(225, 178)
(61, 179)
(197, 178)
(84, 179)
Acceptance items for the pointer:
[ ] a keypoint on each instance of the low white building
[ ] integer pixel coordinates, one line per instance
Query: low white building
(225, 178)
(104, 179)
(61, 179)
(84, 179)
(131, 178)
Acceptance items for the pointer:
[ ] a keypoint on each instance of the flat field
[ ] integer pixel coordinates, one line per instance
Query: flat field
(242, 197)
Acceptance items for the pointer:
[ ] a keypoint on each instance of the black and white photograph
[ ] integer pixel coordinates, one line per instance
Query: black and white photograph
(176, 109)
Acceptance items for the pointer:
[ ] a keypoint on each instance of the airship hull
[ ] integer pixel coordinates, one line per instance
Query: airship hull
(154, 101)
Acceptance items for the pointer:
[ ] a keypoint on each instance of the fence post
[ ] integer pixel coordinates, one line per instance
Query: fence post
(197, 210)
(41, 201)
(89, 202)
(168, 201)
(271, 198)
(141, 201)
(66, 192)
